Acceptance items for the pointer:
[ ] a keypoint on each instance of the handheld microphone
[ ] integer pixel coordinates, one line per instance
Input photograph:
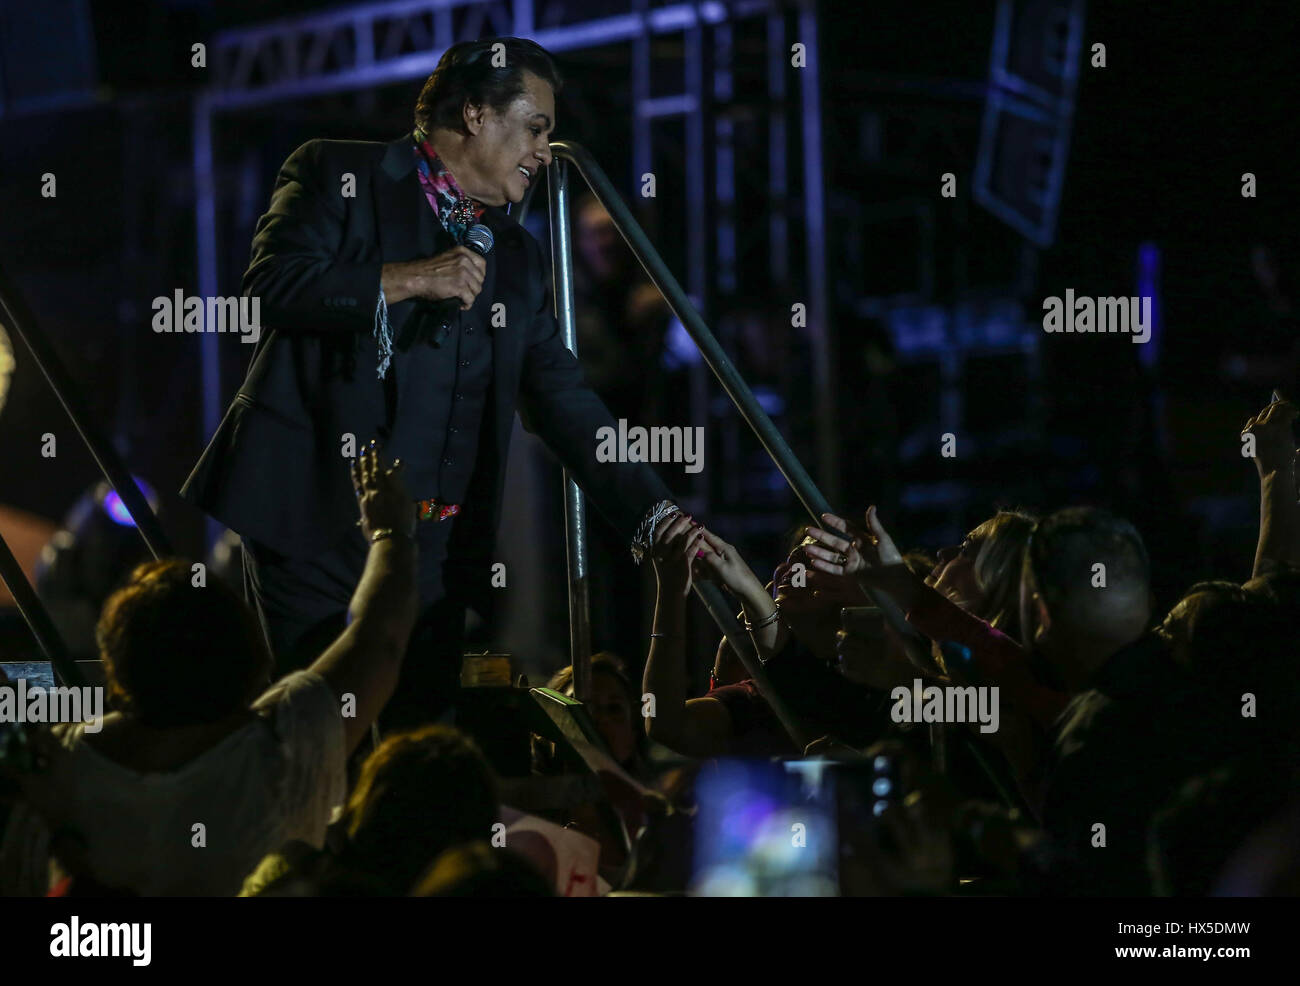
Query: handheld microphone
(480, 240)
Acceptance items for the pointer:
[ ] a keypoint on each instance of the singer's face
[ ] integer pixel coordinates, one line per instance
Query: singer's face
(510, 142)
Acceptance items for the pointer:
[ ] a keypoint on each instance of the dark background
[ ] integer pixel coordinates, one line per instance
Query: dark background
(1193, 95)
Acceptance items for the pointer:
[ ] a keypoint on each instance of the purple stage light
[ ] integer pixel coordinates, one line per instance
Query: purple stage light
(116, 509)
(1148, 286)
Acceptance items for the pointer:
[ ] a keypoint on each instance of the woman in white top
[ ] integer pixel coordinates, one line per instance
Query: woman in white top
(201, 771)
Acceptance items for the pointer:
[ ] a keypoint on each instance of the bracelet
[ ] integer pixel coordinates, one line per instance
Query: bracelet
(388, 532)
(765, 622)
(677, 636)
(644, 538)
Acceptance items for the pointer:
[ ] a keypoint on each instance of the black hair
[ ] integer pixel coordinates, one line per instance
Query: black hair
(177, 654)
(1065, 546)
(473, 72)
(420, 792)
(1216, 625)
(1280, 586)
(1239, 641)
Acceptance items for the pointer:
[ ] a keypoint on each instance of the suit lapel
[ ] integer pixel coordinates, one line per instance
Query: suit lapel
(509, 269)
(405, 221)
(405, 227)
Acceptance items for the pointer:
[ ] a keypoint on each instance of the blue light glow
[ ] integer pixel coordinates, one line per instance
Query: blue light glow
(116, 509)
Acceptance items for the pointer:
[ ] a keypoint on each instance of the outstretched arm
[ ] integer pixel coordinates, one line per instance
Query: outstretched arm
(996, 656)
(722, 563)
(1279, 509)
(695, 727)
(365, 660)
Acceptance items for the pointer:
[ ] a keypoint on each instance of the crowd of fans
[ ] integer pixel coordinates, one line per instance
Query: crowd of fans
(1135, 752)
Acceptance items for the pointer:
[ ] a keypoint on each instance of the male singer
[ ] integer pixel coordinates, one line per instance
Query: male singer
(361, 244)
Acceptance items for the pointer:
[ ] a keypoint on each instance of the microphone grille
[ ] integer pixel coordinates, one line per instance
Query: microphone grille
(479, 239)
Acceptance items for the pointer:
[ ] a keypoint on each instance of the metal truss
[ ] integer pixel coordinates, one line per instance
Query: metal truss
(382, 43)
(1025, 140)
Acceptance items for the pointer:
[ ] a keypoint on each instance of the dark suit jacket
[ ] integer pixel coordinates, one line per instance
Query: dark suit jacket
(274, 471)
(1123, 747)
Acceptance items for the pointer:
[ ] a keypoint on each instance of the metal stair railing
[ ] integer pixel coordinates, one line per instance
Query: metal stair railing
(19, 318)
(563, 154)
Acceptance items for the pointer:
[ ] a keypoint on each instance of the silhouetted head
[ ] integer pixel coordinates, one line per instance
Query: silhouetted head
(614, 706)
(177, 653)
(1085, 590)
(419, 793)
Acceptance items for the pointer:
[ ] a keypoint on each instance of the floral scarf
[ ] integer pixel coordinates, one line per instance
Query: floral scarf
(455, 210)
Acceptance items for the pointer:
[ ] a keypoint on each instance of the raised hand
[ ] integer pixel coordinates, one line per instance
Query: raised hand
(674, 554)
(1275, 450)
(848, 550)
(456, 273)
(381, 495)
(802, 588)
(723, 564)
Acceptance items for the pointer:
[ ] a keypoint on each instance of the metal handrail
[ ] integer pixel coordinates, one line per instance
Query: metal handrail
(575, 507)
(773, 441)
(23, 323)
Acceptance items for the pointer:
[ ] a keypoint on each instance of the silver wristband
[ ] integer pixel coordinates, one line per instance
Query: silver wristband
(767, 621)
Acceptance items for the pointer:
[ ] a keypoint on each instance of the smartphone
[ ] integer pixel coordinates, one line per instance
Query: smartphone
(865, 621)
(865, 791)
(885, 783)
(766, 829)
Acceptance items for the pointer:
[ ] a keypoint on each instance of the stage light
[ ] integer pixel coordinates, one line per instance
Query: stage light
(116, 509)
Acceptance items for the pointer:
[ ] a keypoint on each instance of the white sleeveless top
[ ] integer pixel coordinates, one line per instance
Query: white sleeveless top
(269, 781)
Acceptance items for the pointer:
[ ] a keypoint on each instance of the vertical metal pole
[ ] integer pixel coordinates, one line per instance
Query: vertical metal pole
(642, 158)
(778, 191)
(697, 220)
(815, 219)
(725, 225)
(777, 175)
(697, 169)
(205, 236)
(724, 160)
(575, 509)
